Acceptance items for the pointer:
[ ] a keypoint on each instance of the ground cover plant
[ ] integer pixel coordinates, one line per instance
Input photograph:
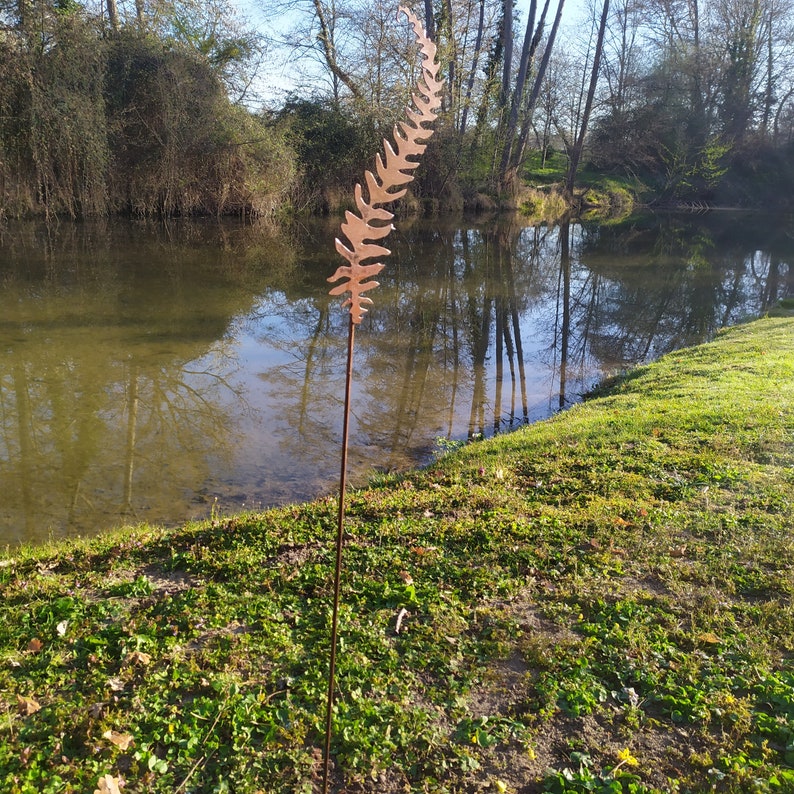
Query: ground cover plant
(599, 602)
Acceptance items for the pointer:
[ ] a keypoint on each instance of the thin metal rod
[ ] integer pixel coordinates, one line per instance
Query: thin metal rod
(339, 543)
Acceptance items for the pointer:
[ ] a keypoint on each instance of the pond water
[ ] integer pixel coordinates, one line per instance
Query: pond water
(163, 372)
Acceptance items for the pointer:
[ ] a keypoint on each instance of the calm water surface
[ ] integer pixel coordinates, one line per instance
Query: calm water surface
(157, 373)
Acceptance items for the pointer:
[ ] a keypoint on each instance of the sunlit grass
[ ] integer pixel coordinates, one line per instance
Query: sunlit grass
(598, 602)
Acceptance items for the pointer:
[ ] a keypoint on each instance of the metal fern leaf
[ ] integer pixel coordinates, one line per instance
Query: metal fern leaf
(392, 172)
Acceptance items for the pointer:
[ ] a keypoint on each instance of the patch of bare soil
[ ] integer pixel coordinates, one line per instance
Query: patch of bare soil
(521, 767)
(168, 582)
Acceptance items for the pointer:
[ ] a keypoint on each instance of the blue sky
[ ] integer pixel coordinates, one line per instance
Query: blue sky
(279, 77)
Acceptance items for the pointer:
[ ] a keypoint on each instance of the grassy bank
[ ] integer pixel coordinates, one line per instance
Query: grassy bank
(600, 602)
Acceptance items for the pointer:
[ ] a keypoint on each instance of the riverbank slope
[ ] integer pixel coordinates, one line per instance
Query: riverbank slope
(601, 601)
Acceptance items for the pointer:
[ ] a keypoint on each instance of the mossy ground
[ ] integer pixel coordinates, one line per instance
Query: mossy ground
(599, 602)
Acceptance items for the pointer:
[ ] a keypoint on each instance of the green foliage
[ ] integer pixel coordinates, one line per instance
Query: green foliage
(333, 147)
(547, 204)
(441, 181)
(700, 178)
(546, 170)
(184, 149)
(582, 778)
(54, 133)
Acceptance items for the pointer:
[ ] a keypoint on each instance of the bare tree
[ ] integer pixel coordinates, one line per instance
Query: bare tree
(575, 154)
(466, 101)
(518, 147)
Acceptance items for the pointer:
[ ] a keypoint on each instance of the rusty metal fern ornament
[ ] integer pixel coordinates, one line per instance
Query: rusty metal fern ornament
(373, 222)
(364, 233)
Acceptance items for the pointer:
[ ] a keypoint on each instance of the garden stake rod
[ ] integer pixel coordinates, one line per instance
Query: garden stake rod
(372, 224)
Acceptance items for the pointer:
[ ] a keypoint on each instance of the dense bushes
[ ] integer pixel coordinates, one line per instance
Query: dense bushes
(334, 144)
(178, 146)
(332, 147)
(52, 141)
(92, 124)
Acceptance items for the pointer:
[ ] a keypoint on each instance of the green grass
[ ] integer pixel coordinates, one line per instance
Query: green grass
(605, 196)
(599, 602)
(552, 171)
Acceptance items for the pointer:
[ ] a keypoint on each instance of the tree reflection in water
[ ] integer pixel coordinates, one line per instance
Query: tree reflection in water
(116, 375)
(143, 375)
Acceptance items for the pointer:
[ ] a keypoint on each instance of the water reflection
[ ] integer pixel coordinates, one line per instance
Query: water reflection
(119, 387)
(146, 372)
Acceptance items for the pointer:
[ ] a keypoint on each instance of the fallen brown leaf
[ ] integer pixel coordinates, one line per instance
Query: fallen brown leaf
(108, 784)
(27, 706)
(139, 658)
(122, 740)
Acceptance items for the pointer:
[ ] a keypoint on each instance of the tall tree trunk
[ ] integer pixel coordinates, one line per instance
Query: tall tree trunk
(698, 127)
(769, 89)
(326, 38)
(531, 42)
(519, 148)
(452, 54)
(113, 15)
(25, 16)
(430, 20)
(576, 151)
(473, 73)
(506, 37)
(23, 9)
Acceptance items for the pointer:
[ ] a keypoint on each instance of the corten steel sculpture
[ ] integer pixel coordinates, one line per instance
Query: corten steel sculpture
(373, 224)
